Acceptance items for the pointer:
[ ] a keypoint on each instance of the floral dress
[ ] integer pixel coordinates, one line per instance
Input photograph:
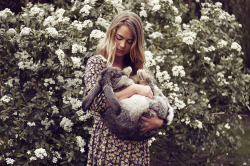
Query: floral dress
(105, 148)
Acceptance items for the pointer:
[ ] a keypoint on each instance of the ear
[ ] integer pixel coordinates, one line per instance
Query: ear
(127, 71)
(112, 99)
(90, 97)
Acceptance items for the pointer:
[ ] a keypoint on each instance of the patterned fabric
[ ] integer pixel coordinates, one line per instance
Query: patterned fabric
(105, 148)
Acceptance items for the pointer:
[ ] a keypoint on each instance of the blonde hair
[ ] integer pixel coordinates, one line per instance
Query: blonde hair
(107, 46)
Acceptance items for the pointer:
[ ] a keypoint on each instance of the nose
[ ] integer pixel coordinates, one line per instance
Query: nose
(122, 44)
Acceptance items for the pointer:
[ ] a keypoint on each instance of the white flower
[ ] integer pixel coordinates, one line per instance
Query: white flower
(47, 123)
(59, 12)
(80, 143)
(117, 4)
(52, 32)
(31, 124)
(87, 24)
(218, 4)
(143, 13)
(178, 19)
(25, 31)
(55, 110)
(199, 124)
(6, 99)
(9, 161)
(54, 160)
(76, 61)
(239, 117)
(155, 35)
(236, 46)
(207, 59)
(33, 158)
(50, 21)
(227, 126)
(178, 71)
(156, 8)
(102, 22)
(204, 18)
(4, 13)
(97, 34)
(66, 124)
(175, 10)
(148, 26)
(78, 48)
(36, 11)
(197, 1)
(85, 10)
(222, 43)
(179, 103)
(60, 55)
(40, 153)
(218, 133)
(151, 140)
(187, 37)
(60, 79)
(11, 32)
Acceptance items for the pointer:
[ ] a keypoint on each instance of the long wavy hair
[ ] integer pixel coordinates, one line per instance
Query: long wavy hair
(107, 46)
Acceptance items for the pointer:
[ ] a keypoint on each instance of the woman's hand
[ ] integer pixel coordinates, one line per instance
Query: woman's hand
(152, 123)
(143, 90)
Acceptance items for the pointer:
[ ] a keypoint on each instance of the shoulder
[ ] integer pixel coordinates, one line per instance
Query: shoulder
(97, 59)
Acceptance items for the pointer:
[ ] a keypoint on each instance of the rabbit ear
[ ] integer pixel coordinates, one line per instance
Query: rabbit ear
(112, 99)
(127, 71)
(90, 97)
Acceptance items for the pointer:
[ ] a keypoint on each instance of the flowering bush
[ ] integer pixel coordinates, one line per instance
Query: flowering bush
(43, 52)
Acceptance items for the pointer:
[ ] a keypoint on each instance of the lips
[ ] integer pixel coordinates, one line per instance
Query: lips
(118, 50)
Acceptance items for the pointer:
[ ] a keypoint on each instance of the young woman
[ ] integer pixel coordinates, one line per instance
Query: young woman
(122, 47)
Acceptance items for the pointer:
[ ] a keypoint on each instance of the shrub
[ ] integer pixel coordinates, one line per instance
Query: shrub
(43, 52)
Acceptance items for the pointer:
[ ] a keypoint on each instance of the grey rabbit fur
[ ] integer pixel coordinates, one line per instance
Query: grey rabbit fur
(123, 117)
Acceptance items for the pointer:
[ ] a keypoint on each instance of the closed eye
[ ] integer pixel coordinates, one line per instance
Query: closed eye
(119, 37)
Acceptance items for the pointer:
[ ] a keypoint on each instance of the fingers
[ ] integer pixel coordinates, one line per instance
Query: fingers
(144, 118)
(149, 92)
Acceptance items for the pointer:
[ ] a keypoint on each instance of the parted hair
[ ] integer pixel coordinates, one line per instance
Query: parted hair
(107, 46)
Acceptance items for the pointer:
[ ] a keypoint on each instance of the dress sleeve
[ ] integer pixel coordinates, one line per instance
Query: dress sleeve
(94, 67)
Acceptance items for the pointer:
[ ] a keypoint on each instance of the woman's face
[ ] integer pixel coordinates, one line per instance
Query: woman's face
(124, 40)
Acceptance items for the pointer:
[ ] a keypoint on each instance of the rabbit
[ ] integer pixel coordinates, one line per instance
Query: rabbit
(123, 117)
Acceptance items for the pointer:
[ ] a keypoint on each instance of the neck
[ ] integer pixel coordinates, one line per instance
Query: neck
(118, 62)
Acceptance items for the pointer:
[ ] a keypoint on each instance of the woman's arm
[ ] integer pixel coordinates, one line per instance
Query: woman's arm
(152, 123)
(93, 69)
(131, 90)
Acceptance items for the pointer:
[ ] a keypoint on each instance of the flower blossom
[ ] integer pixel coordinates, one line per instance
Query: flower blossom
(97, 34)
(76, 61)
(78, 48)
(85, 10)
(222, 43)
(6, 99)
(9, 161)
(143, 13)
(25, 31)
(66, 124)
(102, 22)
(156, 8)
(80, 143)
(60, 55)
(227, 126)
(52, 32)
(178, 19)
(40, 153)
(199, 124)
(155, 35)
(236, 46)
(178, 71)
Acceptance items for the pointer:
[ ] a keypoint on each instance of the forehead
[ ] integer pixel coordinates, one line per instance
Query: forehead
(125, 32)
